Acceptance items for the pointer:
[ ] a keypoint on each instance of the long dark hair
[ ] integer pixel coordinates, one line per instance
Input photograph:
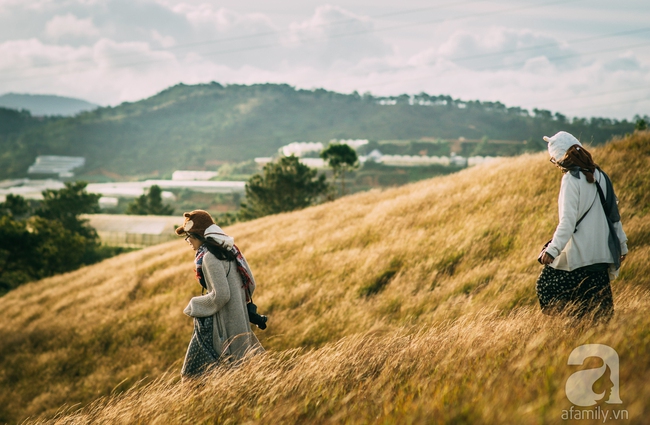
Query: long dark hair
(216, 250)
(579, 157)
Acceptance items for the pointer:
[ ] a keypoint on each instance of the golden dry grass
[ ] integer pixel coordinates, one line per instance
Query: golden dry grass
(481, 368)
(409, 305)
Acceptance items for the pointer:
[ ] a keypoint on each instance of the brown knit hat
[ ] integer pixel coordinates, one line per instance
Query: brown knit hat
(195, 222)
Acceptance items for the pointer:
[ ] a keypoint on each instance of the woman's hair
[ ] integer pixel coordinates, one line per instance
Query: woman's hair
(216, 250)
(579, 157)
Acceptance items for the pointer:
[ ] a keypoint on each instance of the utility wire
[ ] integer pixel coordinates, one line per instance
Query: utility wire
(509, 66)
(258, 35)
(335, 36)
(542, 46)
(505, 52)
(570, 56)
(583, 96)
(624, 102)
(390, 28)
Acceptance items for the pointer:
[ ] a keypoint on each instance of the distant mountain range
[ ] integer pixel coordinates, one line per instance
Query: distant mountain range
(200, 126)
(43, 104)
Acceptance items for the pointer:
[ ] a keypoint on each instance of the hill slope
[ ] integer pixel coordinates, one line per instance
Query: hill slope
(188, 126)
(43, 104)
(410, 305)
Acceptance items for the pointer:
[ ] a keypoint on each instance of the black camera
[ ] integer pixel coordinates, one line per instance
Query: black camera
(256, 319)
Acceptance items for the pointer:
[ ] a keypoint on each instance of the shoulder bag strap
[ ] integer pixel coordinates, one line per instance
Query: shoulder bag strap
(602, 199)
(592, 204)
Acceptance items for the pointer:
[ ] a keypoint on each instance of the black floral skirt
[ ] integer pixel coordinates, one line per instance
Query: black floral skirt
(200, 353)
(581, 292)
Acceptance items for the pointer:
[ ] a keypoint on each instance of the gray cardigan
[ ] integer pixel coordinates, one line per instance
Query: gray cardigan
(226, 301)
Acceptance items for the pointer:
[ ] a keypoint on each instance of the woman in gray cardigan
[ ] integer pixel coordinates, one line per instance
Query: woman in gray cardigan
(222, 330)
(589, 243)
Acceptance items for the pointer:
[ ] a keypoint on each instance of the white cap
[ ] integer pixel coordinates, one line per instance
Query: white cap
(215, 233)
(560, 143)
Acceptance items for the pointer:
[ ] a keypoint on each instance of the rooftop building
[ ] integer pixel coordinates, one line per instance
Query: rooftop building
(54, 164)
(300, 148)
(193, 175)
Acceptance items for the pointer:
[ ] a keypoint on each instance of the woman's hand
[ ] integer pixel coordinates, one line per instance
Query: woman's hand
(623, 257)
(547, 259)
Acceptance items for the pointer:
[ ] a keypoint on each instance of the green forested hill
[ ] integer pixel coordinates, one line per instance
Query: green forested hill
(14, 125)
(189, 126)
(14, 122)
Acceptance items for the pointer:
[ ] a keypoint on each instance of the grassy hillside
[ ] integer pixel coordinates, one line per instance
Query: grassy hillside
(409, 305)
(194, 126)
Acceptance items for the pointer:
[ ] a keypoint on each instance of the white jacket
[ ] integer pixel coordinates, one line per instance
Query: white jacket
(588, 245)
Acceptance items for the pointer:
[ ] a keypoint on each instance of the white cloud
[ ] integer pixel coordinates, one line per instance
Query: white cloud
(222, 19)
(227, 37)
(28, 57)
(496, 47)
(164, 41)
(107, 72)
(136, 55)
(62, 26)
(335, 35)
(625, 62)
(538, 65)
(210, 23)
(328, 21)
(329, 37)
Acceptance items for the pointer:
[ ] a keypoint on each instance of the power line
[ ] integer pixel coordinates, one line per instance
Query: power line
(582, 96)
(624, 102)
(541, 46)
(401, 26)
(336, 36)
(569, 56)
(502, 67)
(505, 52)
(390, 28)
(262, 34)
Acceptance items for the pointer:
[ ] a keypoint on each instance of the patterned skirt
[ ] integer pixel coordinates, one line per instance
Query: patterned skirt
(200, 353)
(580, 293)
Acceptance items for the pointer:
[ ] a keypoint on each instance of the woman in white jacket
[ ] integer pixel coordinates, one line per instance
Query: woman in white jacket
(589, 243)
(222, 331)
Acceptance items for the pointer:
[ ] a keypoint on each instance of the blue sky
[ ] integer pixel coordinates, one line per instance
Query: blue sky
(576, 57)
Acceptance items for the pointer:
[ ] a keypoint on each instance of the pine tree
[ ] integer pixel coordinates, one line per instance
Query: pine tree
(341, 158)
(286, 185)
(150, 204)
